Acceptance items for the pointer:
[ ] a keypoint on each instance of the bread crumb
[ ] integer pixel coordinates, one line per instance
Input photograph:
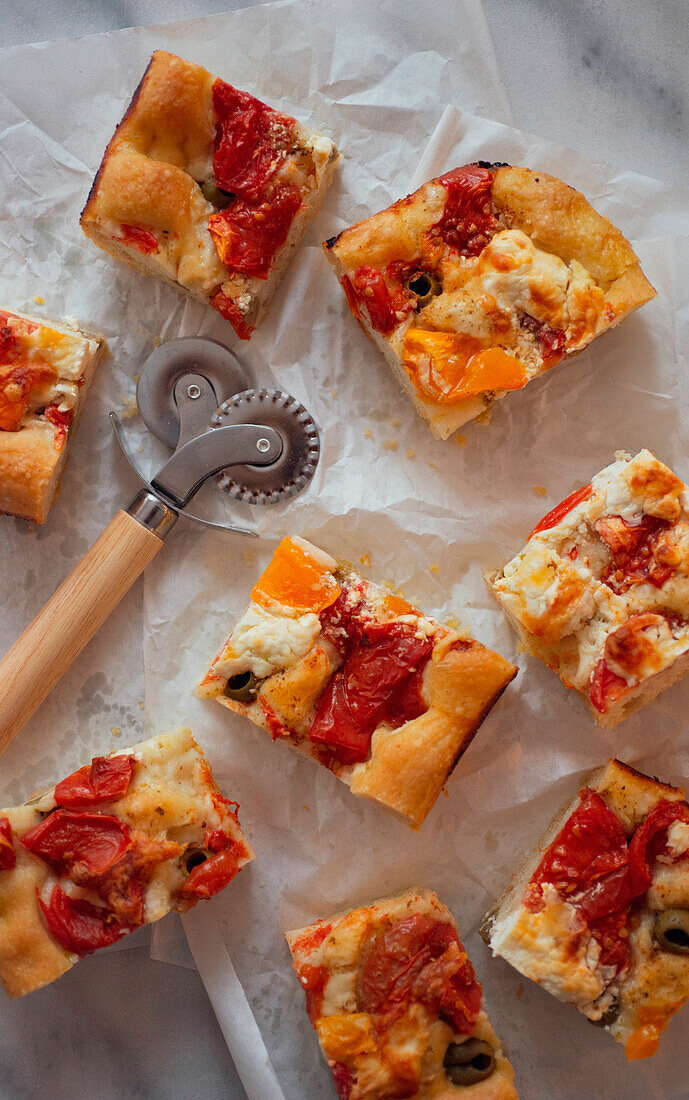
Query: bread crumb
(129, 407)
(365, 559)
(484, 417)
(446, 792)
(142, 705)
(432, 465)
(453, 622)
(368, 434)
(434, 567)
(391, 445)
(491, 842)
(116, 731)
(411, 453)
(157, 341)
(460, 440)
(334, 391)
(395, 423)
(305, 807)
(39, 299)
(520, 992)
(540, 491)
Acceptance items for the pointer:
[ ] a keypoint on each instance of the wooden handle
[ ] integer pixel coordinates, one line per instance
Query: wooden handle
(72, 615)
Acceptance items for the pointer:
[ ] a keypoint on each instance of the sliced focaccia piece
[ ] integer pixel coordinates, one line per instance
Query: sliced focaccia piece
(116, 845)
(600, 592)
(208, 188)
(46, 369)
(396, 1004)
(482, 280)
(356, 678)
(599, 913)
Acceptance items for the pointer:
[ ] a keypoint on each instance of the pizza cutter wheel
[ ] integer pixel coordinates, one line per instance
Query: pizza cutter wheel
(261, 446)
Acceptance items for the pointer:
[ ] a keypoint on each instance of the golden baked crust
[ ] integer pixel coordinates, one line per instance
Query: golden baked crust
(518, 262)
(360, 1047)
(147, 206)
(410, 766)
(173, 817)
(600, 591)
(299, 657)
(636, 1005)
(34, 451)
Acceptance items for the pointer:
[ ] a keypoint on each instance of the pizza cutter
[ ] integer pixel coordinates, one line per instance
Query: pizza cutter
(261, 447)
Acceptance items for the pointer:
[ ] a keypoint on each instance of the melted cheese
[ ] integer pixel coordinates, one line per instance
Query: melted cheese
(67, 355)
(263, 642)
(554, 948)
(554, 586)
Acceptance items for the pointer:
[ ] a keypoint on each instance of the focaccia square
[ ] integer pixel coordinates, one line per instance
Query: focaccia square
(116, 845)
(208, 188)
(599, 913)
(482, 280)
(396, 1005)
(46, 369)
(600, 592)
(356, 678)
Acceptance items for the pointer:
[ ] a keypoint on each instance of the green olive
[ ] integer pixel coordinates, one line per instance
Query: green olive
(671, 931)
(215, 195)
(423, 286)
(469, 1062)
(242, 687)
(608, 1017)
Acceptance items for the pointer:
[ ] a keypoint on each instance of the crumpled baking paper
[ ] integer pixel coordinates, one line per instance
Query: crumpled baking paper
(376, 78)
(430, 517)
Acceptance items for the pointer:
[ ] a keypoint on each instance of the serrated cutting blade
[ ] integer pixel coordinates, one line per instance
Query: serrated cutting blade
(301, 446)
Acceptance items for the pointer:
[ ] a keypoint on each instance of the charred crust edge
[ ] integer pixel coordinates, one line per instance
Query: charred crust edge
(130, 108)
(492, 165)
(332, 241)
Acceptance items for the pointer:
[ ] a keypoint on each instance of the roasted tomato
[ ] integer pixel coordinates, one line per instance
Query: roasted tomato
(251, 141)
(247, 236)
(468, 221)
(371, 687)
(559, 512)
(228, 308)
(105, 779)
(138, 237)
(650, 841)
(8, 856)
(61, 421)
(78, 926)
(420, 958)
(69, 838)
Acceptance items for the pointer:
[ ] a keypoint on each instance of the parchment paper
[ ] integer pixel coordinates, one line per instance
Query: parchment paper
(431, 521)
(375, 77)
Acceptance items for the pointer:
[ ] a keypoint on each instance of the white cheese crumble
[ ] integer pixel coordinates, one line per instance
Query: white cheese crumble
(263, 642)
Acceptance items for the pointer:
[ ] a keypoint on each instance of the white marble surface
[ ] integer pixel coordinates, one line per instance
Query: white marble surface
(608, 77)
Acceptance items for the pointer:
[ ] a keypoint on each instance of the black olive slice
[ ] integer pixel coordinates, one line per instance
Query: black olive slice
(242, 687)
(469, 1062)
(608, 1017)
(671, 931)
(193, 859)
(424, 286)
